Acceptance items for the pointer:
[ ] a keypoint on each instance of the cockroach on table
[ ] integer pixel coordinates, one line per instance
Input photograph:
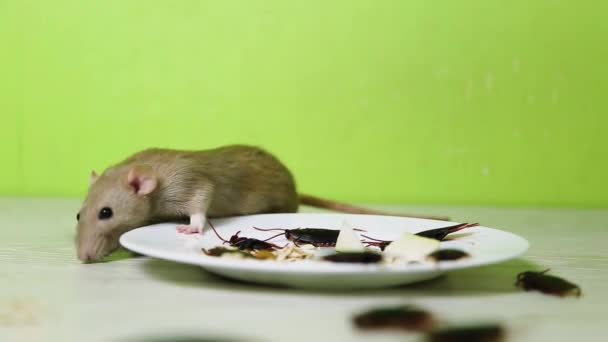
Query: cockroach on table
(437, 234)
(244, 243)
(448, 254)
(478, 333)
(405, 317)
(540, 281)
(354, 257)
(318, 237)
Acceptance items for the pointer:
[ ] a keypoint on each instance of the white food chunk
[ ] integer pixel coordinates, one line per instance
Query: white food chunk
(348, 240)
(410, 248)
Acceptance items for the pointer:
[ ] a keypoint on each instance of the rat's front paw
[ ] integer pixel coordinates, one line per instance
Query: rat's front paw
(195, 226)
(188, 229)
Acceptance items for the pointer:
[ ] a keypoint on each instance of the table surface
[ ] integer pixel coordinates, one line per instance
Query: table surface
(47, 295)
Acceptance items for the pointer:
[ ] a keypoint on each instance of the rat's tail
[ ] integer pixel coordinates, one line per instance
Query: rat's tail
(351, 209)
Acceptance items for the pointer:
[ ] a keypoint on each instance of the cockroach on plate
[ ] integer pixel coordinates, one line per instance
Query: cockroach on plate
(262, 254)
(244, 243)
(405, 317)
(479, 333)
(355, 257)
(448, 254)
(441, 233)
(318, 237)
(376, 242)
(219, 251)
(437, 234)
(540, 281)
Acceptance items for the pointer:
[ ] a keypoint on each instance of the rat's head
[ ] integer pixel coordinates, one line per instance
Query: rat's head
(117, 201)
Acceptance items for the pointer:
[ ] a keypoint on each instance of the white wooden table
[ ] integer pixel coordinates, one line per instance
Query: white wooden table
(47, 295)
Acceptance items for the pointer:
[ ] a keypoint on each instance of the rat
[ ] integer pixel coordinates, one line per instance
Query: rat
(163, 185)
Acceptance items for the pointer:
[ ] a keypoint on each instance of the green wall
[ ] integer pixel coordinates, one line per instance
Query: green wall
(412, 101)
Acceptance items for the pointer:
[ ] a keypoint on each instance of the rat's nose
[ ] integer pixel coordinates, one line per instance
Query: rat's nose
(85, 256)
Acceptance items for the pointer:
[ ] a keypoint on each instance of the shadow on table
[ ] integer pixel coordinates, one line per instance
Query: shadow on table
(487, 280)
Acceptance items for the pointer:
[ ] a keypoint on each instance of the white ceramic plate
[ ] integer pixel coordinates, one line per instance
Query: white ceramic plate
(485, 245)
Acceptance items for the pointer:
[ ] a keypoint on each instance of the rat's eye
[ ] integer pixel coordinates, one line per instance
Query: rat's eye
(78, 217)
(105, 213)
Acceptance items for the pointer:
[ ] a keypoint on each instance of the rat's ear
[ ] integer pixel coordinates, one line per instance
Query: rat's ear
(93, 177)
(142, 180)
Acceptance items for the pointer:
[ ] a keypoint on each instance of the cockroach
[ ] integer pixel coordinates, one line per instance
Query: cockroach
(479, 333)
(318, 237)
(437, 234)
(244, 243)
(448, 254)
(219, 251)
(376, 242)
(441, 233)
(540, 281)
(355, 257)
(262, 254)
(405, 317)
